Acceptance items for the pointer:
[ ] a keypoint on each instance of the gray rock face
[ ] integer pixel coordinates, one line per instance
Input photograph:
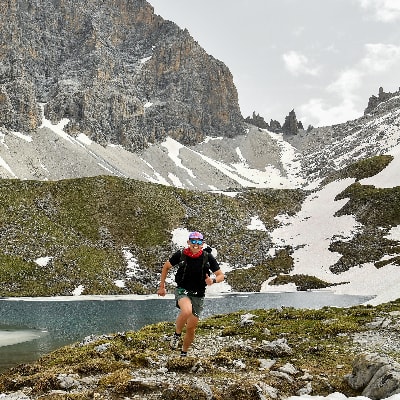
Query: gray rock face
(117, 71)
(291, 125)
(377, 376)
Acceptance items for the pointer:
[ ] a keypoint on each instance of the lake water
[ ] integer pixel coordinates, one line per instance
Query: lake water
(30, 328)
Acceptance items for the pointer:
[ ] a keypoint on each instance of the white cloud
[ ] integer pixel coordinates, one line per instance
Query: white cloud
(299, 31)
(297, 64)
(378, 58)
(348, 81)
(324, 114)
(383, 10)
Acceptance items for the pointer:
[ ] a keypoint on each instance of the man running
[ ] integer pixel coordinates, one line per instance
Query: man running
(192, 278)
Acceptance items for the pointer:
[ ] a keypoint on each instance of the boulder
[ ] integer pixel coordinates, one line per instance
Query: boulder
(378, 377)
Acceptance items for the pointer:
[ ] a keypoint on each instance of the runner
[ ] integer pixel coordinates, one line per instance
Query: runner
(192, 278)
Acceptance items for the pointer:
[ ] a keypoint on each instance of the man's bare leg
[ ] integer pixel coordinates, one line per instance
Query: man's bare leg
(191, 326)
(185, 306)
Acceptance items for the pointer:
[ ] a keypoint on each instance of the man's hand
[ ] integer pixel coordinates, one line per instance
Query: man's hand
(162, 291)
(209, 281)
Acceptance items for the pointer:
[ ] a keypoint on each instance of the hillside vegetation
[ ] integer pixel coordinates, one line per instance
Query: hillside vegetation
(86, 226)
(83, 226)
(377, 211)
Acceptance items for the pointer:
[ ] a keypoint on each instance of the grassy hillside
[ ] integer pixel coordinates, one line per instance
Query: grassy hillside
(377, 211)
(85, 224)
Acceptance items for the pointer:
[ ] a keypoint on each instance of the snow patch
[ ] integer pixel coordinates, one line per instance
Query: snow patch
(20, 135)
(84, 139)
(256, 224)
(173, 148)
(78, 290)
(6, 167)
(43, 261)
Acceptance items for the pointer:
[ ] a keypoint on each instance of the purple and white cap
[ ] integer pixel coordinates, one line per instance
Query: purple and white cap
(195, 235)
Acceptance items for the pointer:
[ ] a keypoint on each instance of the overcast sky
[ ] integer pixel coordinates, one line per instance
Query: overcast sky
(322, 58)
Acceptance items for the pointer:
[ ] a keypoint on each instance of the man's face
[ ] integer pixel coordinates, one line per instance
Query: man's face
(195, 245)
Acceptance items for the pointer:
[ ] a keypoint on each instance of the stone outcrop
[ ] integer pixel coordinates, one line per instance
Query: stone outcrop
(375, 101)
(257, 120)
(376, 371)
(291, 125)
(275, 126)
(118, 73)
(377, 376)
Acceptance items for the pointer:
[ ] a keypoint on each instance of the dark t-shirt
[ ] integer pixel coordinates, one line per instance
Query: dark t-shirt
(195, 275)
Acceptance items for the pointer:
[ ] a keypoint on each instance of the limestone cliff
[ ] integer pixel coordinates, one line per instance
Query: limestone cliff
(117, 71)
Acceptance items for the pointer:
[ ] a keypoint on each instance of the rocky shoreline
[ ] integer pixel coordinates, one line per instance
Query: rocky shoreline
(239, 356)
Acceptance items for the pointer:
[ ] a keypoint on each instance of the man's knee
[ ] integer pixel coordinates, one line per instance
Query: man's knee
(185, 306)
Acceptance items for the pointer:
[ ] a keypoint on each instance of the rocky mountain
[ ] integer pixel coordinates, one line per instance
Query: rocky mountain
(118, 133)
(327, 149)
(109, 88)
(119, 73)
(259, 158)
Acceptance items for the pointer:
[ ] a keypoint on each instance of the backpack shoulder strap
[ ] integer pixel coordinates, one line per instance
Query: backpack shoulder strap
(183, 257)
(205, 258)
(206, 265)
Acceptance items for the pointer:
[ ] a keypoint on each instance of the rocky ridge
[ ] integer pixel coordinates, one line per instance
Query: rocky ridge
(375, 102)
(327, 149)
(260, 158)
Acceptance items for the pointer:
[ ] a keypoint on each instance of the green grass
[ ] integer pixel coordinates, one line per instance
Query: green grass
(362, 169)
(302, 282)
(84, 224)
(378, 210)
(250, 279)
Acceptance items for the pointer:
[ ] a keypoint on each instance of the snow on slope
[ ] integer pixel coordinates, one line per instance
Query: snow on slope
(333, 148)
(238, 170)
(258, 159)
(311, 231)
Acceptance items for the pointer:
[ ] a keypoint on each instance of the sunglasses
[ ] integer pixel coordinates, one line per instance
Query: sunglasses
(196, 241)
